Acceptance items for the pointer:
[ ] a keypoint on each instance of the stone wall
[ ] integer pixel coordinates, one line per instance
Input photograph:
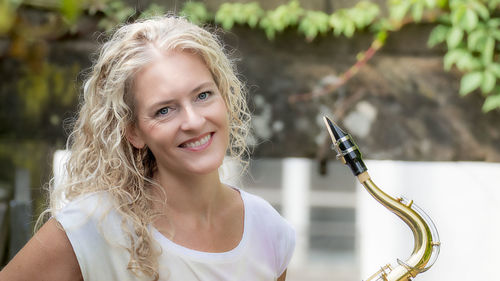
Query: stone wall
(401, 105)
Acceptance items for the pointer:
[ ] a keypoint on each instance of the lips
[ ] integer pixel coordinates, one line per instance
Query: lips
(198, 143)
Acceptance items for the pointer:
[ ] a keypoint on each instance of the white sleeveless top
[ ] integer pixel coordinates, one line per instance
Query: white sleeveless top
(95, 232)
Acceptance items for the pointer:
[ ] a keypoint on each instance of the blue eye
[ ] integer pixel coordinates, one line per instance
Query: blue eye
(203, 96)
(163, 111)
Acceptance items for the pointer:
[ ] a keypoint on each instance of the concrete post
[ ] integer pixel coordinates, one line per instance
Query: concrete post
(20, 212)
(295, 193)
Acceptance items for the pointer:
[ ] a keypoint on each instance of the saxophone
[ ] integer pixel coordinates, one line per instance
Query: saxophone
(426, 238)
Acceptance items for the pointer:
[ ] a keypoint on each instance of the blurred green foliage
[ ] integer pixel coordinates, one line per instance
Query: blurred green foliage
(280, 18)
(115, 12)
(468, 29)
(239, 13)
(471, 32)
(196, 12)
(153, 10)
(51, 82)
(7, 9)
(71, 10)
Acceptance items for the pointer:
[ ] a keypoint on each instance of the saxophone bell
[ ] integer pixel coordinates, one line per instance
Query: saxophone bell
(426, 239)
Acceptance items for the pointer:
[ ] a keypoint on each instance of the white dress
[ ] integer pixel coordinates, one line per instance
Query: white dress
(95, 232)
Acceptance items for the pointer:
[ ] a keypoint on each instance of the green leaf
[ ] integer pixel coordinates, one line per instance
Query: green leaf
(463, 59)
(488, 51)
(492, 4)
(196, 12)
(71, 10)
(364, 13)
(442, 3)
(253, 13)
(469, 20)
(496, 34)
(399, 9)
(458, 13)
(444, 19)
(430, 3)
(468, 62)
(438, 35)
(488, 83)
(225, 15)
(491, 102)
(349, 29)
(494, 22)
(417, 11)
(451, 58)
(337, 23)
(270, 31)
(476, 40)
(470, 82)
(280, 18)
(358, 17)
(495, 69)
(481, 9)
(314, 23)
(454, 37)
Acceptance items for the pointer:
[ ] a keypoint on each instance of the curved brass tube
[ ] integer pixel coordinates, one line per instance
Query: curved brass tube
(426, 238)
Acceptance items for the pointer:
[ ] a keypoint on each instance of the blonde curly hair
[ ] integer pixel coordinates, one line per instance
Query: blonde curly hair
(102, 159)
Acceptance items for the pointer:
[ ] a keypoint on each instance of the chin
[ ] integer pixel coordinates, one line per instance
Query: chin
(206, 166)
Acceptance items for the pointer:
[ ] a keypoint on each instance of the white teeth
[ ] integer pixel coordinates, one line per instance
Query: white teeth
(203, 141)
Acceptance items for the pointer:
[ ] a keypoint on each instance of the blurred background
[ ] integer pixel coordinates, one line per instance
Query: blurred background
(414, 81)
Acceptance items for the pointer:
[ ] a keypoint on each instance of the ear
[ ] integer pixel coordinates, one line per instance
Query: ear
(133, 136)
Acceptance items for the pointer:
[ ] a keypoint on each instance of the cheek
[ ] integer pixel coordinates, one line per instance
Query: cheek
(156, 135)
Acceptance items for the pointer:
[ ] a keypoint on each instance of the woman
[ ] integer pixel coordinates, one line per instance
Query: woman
(161, 108)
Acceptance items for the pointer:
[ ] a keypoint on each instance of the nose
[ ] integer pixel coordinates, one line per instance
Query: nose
(193, 119)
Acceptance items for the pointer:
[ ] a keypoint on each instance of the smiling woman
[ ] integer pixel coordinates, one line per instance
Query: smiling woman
(161, 108)
(180, 115)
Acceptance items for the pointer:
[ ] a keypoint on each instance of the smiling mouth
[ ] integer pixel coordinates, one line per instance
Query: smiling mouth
(198, 143)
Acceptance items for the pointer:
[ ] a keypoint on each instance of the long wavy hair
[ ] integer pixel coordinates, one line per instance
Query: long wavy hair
(102, 159)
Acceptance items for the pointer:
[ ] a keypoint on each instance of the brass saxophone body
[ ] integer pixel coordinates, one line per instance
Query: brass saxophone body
(426, 238)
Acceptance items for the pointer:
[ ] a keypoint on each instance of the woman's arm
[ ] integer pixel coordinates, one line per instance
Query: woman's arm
(47, 256)
(282, 277)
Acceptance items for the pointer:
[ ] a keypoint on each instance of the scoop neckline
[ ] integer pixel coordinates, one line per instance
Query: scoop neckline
(171, 246)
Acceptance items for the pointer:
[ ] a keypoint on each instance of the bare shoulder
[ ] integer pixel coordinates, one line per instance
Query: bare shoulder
(47, 256)
(283, 276)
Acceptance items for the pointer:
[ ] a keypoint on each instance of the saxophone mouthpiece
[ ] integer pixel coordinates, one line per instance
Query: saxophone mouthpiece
(335, 131)
(346, 148)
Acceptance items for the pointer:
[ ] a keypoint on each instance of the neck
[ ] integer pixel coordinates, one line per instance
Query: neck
(192, 195)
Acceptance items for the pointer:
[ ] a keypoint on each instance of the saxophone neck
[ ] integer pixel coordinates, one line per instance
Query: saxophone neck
(426, 238)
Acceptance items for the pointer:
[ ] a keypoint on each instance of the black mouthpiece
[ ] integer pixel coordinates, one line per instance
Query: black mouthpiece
(346, 148)
(337, 132)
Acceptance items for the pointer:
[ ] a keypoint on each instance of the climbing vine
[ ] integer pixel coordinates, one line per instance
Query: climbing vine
(468, 29)
(471, 32)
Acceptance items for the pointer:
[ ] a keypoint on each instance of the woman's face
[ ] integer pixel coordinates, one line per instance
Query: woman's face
(181, 115)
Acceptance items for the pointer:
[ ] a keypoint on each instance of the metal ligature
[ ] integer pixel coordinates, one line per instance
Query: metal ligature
(426, 238)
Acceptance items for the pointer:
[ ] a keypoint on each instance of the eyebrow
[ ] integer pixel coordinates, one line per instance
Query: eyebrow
(197, 89)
